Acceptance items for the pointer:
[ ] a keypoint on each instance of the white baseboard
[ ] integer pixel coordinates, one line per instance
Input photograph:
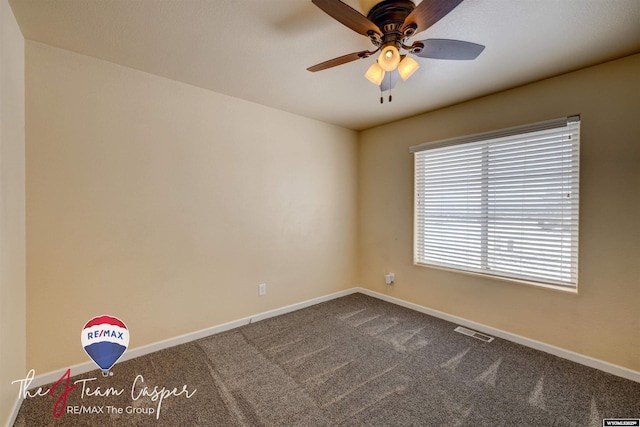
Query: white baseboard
(537, 345)
(50, 377)
(14, 412)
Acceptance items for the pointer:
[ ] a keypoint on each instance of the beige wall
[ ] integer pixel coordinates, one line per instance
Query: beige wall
(166, 205)
(603, 321)
(12, 211)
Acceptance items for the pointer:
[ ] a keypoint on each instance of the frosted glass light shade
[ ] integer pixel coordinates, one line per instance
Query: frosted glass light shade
(375, 74)
(389, 58)
(407, 67)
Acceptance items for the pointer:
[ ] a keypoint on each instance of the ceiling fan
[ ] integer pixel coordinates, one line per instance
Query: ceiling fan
(389, 25)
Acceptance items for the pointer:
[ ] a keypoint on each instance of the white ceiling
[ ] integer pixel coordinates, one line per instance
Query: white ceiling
(258, 50)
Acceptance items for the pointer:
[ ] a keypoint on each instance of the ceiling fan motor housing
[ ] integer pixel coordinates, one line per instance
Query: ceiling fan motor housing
(389, 16)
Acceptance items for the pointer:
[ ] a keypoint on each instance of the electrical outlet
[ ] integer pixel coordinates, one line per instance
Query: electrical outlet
(390, 278)
(262, 289)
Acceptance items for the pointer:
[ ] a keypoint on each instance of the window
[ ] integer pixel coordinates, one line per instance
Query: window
(501, 203)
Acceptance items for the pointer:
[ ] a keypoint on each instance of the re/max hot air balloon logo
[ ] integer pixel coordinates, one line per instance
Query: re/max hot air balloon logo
(105, 339)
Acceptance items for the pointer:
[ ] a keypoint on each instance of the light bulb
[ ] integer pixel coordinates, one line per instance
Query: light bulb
(389, 58)
(375, 74)
(407, 67)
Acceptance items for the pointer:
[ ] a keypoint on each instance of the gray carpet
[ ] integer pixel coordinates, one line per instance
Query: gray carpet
(353, 361)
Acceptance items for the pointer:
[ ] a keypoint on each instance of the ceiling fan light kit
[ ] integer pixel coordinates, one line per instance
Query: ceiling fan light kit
(389, 25)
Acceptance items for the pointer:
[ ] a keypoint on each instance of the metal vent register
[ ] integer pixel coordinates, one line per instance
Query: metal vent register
(474, 334)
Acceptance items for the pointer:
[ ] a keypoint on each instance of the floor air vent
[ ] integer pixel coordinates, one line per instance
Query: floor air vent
(473, 333)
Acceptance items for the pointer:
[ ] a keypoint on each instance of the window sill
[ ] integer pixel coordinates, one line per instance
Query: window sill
(539, 285)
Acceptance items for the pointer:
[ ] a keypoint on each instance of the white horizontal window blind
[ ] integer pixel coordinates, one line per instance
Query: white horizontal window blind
(502, 203)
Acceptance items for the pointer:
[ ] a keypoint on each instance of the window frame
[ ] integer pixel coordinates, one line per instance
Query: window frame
(571, 122)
